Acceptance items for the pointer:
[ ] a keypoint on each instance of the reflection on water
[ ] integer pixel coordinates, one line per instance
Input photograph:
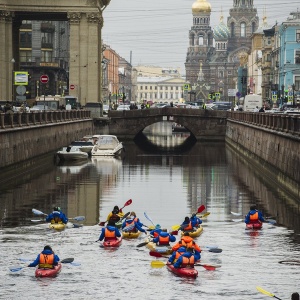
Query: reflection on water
(168, 186)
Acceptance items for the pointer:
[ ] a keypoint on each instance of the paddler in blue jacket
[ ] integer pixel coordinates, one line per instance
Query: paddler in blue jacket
(176, 254)
(156, 231)
(47, 259)
(196, 222)
(130, 225)
(164, 238)
(254, 216)
(109, 232)
(57, 216)
(187, 259)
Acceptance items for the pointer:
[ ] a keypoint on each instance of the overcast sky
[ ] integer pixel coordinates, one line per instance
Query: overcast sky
(156, 31)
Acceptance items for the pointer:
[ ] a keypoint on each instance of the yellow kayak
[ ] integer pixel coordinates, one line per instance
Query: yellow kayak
(161, 249)
(130, 235)
(194, 233)
(57, 226)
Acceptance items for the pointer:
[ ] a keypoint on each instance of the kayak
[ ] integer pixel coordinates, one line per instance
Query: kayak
(114, 242)
(130, 235)
(254, 226)
(48, 272)
(194, 233)
(183, 272)
(160, 249)
(57, 226)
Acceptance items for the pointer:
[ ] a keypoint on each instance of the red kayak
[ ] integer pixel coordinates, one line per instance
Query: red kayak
(183, 272)
(254, 225)
(48, 272)
(113, 242)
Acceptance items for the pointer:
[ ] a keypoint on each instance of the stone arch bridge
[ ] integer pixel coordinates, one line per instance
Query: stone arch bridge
(207, 125)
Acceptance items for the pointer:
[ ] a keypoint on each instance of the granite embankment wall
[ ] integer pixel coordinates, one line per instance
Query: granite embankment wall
(21, 143)
(276, 153)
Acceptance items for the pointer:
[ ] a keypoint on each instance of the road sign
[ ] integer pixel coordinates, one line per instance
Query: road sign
(44, 78)
(72, 87)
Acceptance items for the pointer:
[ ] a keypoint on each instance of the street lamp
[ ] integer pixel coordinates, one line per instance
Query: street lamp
(293, 87)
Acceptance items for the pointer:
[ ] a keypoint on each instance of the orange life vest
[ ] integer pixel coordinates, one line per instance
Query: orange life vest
(163, 240)
(254, 218)
(177, 254)
(46, 261)
(109, 234)
(188, 262)
(188, 227)
(187, 242)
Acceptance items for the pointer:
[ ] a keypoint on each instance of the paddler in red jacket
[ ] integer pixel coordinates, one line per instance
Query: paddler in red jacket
(186, 260)
(109, 232)
(188, 242)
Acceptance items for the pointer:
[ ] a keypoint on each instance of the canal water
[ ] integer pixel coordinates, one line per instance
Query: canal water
(167, 184)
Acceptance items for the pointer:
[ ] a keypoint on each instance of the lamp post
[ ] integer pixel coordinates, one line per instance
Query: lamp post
(293, 87)
(282, 94)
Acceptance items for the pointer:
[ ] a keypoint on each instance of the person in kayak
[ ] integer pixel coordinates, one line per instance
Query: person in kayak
(57, 216)
(109, 232)
(129, 225)
(164, 238)
(254, 216)
(46, 259)
(186, 260)
(176, 254)
(136, 219)
(196, 222)
(156, 231)
(186, 225)
(188, 242)
(115, 215)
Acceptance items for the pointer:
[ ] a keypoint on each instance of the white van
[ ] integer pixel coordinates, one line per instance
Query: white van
(251, 101)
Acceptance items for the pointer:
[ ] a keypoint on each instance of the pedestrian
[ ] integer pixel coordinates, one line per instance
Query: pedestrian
(262, 109)
(47, 259)
(256, 109)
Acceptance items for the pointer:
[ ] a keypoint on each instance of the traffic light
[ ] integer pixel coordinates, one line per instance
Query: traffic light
(242, 80)
(123, 97)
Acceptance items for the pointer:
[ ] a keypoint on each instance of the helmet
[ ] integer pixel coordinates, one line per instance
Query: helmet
(56, 208)
(116, 207)
(47, 248)
(133, 214)
(157, 226)
(115, 211)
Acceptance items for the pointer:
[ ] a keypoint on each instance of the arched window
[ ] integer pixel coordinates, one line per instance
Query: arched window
(243, 29)
(253, 27)
(201, 40)
(232, 29)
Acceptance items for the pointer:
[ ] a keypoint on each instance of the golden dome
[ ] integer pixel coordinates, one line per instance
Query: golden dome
(201, 6)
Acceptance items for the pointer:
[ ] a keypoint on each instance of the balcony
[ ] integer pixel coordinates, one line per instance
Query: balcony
(47, 45)
(47, 27)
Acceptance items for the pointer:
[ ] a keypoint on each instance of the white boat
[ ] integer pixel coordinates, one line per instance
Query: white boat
(71, 153)
(84, 146)
(107, 145)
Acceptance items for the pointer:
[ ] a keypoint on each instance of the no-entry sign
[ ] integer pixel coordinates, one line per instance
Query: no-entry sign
(72, 86)
(44, 79)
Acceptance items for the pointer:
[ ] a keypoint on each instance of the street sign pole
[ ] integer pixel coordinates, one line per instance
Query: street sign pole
(44, 79)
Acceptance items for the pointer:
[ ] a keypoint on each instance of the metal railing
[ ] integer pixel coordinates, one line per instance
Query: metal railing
(22, 119)
(285, 123)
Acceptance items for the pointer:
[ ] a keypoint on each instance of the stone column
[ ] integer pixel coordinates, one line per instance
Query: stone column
(85, 56)
(6, 55)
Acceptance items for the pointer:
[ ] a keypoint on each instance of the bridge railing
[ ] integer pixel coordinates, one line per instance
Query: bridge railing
(287, 123)
(20, 119)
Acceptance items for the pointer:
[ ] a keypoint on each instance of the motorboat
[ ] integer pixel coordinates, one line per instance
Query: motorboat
(107, 145)
(84, 146)
(71, 153)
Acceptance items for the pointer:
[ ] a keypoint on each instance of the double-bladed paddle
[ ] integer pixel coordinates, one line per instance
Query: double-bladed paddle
(128, 202)
(40, 213)
(160, 264)
(64, 261)
(149, 219)
(266, 292)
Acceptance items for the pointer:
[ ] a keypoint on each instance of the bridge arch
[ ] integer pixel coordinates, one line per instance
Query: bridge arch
(203, 124)
(85, 21)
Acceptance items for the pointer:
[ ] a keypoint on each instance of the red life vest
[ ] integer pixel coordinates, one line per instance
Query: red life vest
(155, 234)
(109, 234)
(254, 218)
(188, 262)
(46, 261)
(163, 240)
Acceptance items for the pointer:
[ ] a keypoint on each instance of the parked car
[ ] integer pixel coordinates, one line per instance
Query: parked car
(105, 109)
(218, 105)
(39, 108)
(123, 107)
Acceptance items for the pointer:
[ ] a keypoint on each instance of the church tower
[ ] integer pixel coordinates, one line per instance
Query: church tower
(242, 23)
(200, 45)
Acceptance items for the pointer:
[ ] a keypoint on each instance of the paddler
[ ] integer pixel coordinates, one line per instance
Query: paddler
(186, 260)
(164, 238)
(46, 260)
(109, 232)
(115, 215)
(129, 225)
(156, 231)
(176, 254)
(254, 216)
(57, 216)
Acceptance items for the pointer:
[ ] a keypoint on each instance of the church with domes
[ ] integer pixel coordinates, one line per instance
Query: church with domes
(217, 57)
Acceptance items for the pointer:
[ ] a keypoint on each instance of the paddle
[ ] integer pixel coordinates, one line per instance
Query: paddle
(64, 261)
(270, 221)
(149, 219)
(128, 202)
(266, 292)
(160, 264)
(200, 209)
(78, 218)
(204, 215)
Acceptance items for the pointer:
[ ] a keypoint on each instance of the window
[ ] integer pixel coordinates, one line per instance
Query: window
(46, 56)
(25, 56)
(141, 87)
(297, 57)
(297, 83)
(253, 27)
(298, 35)
(243, 29)
(146, 87)
(232, 29)
(150, 87)
(25, 39)
(200, 40)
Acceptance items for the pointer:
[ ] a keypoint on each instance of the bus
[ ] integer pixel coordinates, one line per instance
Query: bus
(57, 102)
